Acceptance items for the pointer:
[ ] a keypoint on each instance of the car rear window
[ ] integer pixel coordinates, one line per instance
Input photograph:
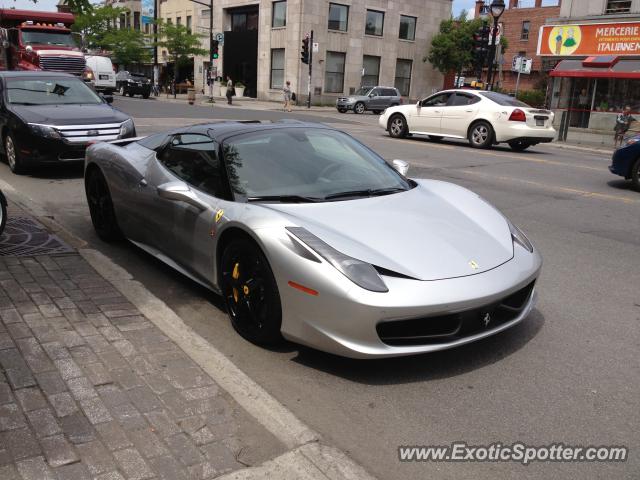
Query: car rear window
(503, 100)
(389, 92)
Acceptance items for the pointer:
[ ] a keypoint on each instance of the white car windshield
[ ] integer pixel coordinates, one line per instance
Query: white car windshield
(49, 91)
(311, 163)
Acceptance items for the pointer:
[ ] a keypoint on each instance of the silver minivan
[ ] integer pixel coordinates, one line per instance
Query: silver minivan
(376, 99)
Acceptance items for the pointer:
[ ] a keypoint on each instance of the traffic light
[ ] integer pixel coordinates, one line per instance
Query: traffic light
(304, 54)
(214, 49)
(480, 48)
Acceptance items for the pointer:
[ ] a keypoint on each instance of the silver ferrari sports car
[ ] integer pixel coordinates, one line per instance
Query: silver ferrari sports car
(309, 235)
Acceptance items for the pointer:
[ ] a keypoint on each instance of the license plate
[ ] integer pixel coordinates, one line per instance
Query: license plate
(103, 77)
(539, 122)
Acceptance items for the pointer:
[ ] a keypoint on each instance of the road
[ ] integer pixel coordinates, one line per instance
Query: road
(569, 373)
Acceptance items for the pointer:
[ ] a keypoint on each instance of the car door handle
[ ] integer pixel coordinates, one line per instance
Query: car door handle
(469, 111)
(143, 183)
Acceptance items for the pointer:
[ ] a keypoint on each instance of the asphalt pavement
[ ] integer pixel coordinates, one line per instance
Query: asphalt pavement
(569, 373)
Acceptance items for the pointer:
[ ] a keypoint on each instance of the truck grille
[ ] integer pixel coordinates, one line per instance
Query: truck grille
(78, 134)
(74, 65)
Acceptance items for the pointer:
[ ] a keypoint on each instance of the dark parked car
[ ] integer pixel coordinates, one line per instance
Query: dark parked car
(3, 212)
(129, 83)
(376, 99)
(48, 117)
(626, 160)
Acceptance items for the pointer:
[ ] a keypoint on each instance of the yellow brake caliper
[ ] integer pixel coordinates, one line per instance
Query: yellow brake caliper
(235, 275)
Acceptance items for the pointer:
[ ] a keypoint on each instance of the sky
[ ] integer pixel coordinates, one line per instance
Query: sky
(468, 5)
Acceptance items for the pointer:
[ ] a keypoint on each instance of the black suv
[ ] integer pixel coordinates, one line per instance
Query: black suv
(129, 83)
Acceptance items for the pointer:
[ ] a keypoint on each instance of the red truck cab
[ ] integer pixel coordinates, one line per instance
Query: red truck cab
(31, 40)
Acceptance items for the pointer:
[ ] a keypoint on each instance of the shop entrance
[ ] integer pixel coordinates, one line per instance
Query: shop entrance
(240, 59)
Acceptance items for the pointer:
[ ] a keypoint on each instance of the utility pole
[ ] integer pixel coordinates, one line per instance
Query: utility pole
(310, 68)
(156, 73)
(210, 6)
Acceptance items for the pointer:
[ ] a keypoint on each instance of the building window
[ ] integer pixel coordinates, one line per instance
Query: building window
(334, 72)
(244, 21)
(277, 67)
(136, 20)
(205, 12)
(618, 6)
(526, 27)
(279, 14)
(169, 21)
(407, 28)
(403, 76)
(189, 23)
(371, 67)
(375, 23)
(178, 20)
(338, 17)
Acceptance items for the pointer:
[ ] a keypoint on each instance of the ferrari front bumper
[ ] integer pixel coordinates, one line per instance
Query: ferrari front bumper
(344, 319)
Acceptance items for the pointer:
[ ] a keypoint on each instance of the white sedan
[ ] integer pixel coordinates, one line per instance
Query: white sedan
(484, 118)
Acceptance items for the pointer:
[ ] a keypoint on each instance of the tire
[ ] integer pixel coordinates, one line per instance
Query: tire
(342, 110)
(131, 94)
(359, 108)
(519, 145)
(3, 215)
(397, 126)
(250, 292)
(480, 135)
(635, 174)
(146, 95)
(435, 138)
(103, 215)
(14, 159)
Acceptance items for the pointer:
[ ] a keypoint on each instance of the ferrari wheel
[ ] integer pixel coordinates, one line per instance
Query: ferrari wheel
(103, 215)
(251, 293)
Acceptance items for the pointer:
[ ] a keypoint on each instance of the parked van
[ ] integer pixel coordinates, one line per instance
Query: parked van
(100, 73)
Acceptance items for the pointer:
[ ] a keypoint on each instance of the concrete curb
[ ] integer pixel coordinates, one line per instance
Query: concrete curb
(580, 148)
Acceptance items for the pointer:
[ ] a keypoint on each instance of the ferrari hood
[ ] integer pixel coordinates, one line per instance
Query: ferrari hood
(435, 231)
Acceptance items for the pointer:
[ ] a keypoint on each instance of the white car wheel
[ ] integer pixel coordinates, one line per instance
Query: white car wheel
(481, 135)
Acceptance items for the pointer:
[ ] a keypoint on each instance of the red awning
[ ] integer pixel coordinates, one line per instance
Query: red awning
(623, 68)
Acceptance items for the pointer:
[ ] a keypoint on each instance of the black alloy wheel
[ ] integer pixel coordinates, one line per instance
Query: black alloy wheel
(103, 215)
(250, 293)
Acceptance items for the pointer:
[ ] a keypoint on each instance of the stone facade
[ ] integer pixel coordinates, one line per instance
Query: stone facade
(580, 9)
(305, 15)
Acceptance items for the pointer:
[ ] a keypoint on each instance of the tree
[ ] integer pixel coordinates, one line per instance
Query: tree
(452, 47)
(179, 42)
(96, 23)
(127, 46)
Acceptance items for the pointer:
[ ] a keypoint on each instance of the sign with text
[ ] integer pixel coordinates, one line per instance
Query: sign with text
(589, 39)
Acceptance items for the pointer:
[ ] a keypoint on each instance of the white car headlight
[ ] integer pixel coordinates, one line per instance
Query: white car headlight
(519, 237)
(46, 131)
(361, 273)
(126, 128)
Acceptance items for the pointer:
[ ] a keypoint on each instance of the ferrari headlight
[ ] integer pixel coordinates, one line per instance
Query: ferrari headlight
(46, 131)
(361, 273)
(519, 237)
(126, 129)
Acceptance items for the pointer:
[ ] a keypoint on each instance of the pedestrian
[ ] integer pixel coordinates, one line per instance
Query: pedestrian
(623, 122)
(287, 96)
(584, 107)
(230, 91)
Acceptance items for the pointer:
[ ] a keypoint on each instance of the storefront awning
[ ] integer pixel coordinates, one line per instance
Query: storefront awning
(622, 68)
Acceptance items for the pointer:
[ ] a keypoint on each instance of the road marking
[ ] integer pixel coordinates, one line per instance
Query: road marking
(584, 193)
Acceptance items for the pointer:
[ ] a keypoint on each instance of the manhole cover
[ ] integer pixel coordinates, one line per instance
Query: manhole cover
(24, 237)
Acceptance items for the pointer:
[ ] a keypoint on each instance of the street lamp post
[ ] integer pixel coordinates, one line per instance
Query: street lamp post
(497, 9)
(210, 5)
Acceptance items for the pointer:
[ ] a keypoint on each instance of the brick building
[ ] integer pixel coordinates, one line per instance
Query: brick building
(521, 22)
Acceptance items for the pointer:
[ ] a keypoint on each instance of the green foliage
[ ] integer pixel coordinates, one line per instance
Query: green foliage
(127, 46)
(535, 98)
(179, 42)
(451, 48)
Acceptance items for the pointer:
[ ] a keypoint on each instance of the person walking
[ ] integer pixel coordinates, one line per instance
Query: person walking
(623, 122)
(230, 91)
(287, 96)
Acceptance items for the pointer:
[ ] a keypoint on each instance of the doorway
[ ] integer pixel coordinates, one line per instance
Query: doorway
(240, 60)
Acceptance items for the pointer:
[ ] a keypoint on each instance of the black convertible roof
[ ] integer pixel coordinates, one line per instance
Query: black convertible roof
(229, 128)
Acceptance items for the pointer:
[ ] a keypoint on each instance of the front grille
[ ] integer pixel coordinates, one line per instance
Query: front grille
(78, 134)
(452, 327)
(74, 65)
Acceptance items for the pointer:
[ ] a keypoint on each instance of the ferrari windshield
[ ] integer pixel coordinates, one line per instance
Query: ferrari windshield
(306, 164)
(49, 91)
(43, 37)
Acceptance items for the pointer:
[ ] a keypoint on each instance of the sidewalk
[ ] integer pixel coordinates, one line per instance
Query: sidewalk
(95, 386)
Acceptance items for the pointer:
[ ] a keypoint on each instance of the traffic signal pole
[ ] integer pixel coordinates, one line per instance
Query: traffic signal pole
(310, 69)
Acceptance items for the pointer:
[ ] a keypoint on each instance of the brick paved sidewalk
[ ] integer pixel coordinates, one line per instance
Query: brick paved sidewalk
(89, 388)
